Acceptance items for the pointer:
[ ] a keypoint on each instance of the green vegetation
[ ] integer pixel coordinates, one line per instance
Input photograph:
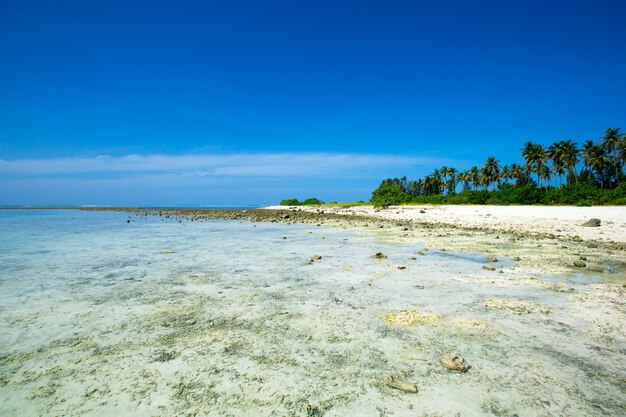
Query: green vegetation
(296, 202)
(347, 203)
(291, 202)
(548, 176)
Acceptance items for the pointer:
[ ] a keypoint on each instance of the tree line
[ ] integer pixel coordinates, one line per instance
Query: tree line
(545, 171)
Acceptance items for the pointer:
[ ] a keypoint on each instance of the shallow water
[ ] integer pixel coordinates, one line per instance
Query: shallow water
(155, 317)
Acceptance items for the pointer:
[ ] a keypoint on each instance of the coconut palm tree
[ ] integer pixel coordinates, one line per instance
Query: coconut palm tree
(466, 178)
(535, 156)
(452, 173)
(474, 174)
(516, 172)
(545, 173)
(556, 153)
(596, 159)
(610, 140)
(570, 159)
(491, 169)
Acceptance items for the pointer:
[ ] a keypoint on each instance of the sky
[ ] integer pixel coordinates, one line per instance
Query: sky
(177, 103)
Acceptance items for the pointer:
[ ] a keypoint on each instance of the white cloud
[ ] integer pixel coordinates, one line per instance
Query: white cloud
(226, 165)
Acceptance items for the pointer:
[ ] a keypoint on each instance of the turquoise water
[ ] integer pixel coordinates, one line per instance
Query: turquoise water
(154, 317)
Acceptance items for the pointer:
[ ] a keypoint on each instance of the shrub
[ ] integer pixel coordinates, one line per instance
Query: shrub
(311, 202)
(291, 202)
(389, 194)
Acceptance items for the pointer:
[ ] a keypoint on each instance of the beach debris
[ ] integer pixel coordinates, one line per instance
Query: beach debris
(393, 381)
(580, 264)
(166, 252)
(517, 307)
(379, 255)
(592, 223)
(401, 266)
(316, 257)
(454, 362)
(489, 268)
(406, 318)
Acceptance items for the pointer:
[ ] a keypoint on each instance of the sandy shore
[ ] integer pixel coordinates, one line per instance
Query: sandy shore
(557, 220)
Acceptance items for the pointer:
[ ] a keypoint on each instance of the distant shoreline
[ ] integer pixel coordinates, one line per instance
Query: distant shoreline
(552, 222)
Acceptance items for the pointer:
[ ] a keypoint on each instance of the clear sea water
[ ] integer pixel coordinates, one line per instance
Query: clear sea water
(155, 317)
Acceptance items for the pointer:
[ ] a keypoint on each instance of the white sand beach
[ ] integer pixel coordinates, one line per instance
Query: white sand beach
(558, 220)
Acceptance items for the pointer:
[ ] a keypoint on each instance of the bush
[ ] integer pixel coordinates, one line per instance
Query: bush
(291, 202)
(389, 194)
(311, 202)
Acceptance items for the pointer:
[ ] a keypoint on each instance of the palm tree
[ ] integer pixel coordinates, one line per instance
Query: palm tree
(545, 172)
(491, 169)
(444, 174)
(420, 186)
(610, 140)
(466, 178)
(621, 149)
(516, 172)
(474, 177)
(596, 159)
(570, 159)
(556, 153)
(505, 175)
(535, 156)
(452, 181)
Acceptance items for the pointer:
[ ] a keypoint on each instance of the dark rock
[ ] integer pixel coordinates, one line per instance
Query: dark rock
(488, 268)
(316, 257)
(592, 223)
(580, 264)
(379, 255)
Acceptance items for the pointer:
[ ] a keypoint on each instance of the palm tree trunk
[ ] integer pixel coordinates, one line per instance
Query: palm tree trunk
(616, 170)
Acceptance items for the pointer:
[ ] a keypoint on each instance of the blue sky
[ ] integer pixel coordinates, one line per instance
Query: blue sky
(248, 102)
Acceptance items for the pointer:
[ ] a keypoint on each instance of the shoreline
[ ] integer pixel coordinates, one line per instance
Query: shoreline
(549, 222)
(537, 251)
